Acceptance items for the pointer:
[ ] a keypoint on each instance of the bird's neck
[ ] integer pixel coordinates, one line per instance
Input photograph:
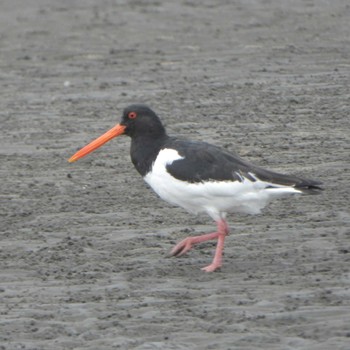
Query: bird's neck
(144, 150)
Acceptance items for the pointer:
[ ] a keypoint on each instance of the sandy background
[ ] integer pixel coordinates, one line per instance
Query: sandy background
(83, 256)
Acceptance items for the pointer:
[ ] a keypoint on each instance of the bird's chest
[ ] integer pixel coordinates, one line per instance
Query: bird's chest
(165, 185)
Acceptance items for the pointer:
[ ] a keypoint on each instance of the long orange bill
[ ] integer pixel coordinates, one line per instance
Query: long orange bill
(110, 134)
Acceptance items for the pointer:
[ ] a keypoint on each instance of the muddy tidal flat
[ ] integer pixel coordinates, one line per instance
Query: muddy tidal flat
(84, 247)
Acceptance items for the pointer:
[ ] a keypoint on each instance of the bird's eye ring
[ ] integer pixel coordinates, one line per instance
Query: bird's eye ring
(132, 115)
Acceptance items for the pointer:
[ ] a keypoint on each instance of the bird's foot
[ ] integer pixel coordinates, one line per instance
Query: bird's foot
(182, 247)
(185, 245)
(212, 267)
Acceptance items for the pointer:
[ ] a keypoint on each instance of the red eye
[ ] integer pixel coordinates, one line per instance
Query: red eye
(132, 115)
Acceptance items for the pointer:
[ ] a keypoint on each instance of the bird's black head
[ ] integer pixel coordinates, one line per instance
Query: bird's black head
(140, 120)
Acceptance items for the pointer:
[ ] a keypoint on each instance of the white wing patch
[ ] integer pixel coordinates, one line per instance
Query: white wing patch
(241, 178)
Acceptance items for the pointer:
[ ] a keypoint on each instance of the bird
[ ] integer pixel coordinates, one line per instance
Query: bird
(198, 176)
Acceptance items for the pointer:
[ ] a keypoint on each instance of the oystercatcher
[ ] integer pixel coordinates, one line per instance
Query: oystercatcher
(198, 176)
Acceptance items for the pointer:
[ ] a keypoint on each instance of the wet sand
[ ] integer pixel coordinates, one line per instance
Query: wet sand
(84, 246)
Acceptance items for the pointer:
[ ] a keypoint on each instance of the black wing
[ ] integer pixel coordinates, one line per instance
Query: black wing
(205, 162)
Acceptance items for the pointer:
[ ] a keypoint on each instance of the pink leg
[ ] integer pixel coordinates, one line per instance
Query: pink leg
(186, 244)
(217, 261)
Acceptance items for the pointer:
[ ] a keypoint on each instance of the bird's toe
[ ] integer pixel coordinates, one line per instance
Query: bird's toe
(182, 247)
(211, 268)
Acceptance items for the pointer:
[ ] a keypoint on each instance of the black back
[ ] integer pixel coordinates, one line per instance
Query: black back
(202, 161)
(205, 162)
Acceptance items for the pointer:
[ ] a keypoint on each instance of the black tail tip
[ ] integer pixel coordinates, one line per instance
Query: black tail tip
(311, 187)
